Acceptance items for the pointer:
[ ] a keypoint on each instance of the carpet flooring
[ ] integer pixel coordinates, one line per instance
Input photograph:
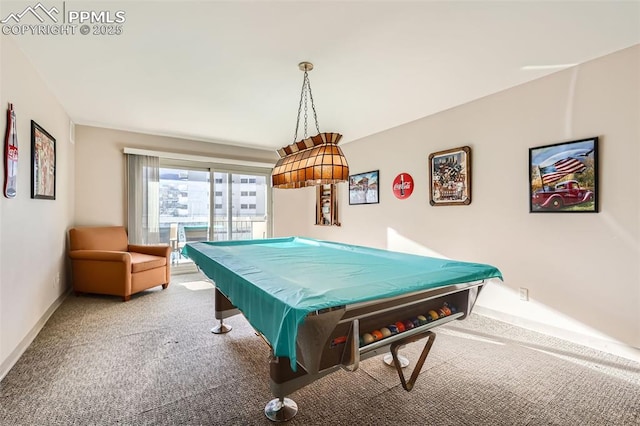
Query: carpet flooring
(153, 361)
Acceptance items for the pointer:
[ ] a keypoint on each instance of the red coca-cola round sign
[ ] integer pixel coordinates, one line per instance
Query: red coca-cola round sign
(403, 186)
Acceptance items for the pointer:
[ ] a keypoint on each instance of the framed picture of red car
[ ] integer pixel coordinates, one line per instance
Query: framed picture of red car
(563, 177)
(450, 177)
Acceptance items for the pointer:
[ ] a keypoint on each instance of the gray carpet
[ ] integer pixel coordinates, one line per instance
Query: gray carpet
(153, 361)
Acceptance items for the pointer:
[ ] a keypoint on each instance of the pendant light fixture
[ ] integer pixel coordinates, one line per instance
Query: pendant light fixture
(315, 160)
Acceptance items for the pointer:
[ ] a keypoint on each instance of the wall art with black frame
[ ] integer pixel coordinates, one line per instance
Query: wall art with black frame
(43, 163)
(563, 177)
(364, 188)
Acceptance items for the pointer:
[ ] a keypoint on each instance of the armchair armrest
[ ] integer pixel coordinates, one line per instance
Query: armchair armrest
(106, 256)
(162, 251)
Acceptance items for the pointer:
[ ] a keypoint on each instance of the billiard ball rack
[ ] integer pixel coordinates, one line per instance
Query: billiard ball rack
(412, 328)
(408, 333)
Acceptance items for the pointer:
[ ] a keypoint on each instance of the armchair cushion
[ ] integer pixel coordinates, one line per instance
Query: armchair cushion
(143, 262)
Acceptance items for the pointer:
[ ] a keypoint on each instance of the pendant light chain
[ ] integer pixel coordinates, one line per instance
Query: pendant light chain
(305, 104)
(295, 136)
(313, 107)
(306, 91)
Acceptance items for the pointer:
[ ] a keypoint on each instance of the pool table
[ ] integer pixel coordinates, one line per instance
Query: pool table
(322, 305)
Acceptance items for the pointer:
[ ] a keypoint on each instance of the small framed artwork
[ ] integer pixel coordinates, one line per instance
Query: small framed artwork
(43, 163)
(364, 188)
(450, 177)
(563, 177)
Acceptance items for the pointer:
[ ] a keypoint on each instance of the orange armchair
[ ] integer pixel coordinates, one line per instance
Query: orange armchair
(103, 262)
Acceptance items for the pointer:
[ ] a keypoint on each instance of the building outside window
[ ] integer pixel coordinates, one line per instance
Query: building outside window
(237, 214)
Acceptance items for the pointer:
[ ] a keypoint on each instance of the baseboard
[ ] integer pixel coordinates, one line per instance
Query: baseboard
(609, 346)
(15, 355)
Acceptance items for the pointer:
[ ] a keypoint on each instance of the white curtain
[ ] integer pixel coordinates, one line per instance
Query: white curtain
(143, 199)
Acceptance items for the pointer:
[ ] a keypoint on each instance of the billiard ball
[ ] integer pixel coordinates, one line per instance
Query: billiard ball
(408, 325)
(415, 321)
(392, 328)
(377, 334)
(446, 309)
(434, 315)
(400, 326)
(422, 319)
(385, 332)
(367, 338)
(452, 308)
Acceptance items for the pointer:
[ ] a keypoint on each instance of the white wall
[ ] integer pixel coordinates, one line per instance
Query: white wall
(582, 270)
(100, 168)
(32, 232)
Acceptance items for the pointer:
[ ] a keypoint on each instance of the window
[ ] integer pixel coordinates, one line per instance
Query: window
(185, 199)
(252, 193)
(252, 180)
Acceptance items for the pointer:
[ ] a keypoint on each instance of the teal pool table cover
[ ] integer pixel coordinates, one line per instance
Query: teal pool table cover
(276, 282)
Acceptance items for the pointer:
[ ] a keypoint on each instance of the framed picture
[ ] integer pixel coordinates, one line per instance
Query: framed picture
(43, 163)
(450, 177)
(563, 177)
(364, 188)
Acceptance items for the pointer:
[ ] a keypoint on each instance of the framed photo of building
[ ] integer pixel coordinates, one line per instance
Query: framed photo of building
(364, 188)
(563, 177)
(450, 177)
(43, 163)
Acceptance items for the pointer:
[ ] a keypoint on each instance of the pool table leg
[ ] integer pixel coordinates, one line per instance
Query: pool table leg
(221, 328)
(388, 359)
(281, 409)
(223, 309)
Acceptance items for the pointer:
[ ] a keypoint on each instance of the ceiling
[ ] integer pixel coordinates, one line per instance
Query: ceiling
(228, 71)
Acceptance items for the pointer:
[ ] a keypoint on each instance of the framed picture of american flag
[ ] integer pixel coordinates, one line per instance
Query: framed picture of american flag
(563, 177)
